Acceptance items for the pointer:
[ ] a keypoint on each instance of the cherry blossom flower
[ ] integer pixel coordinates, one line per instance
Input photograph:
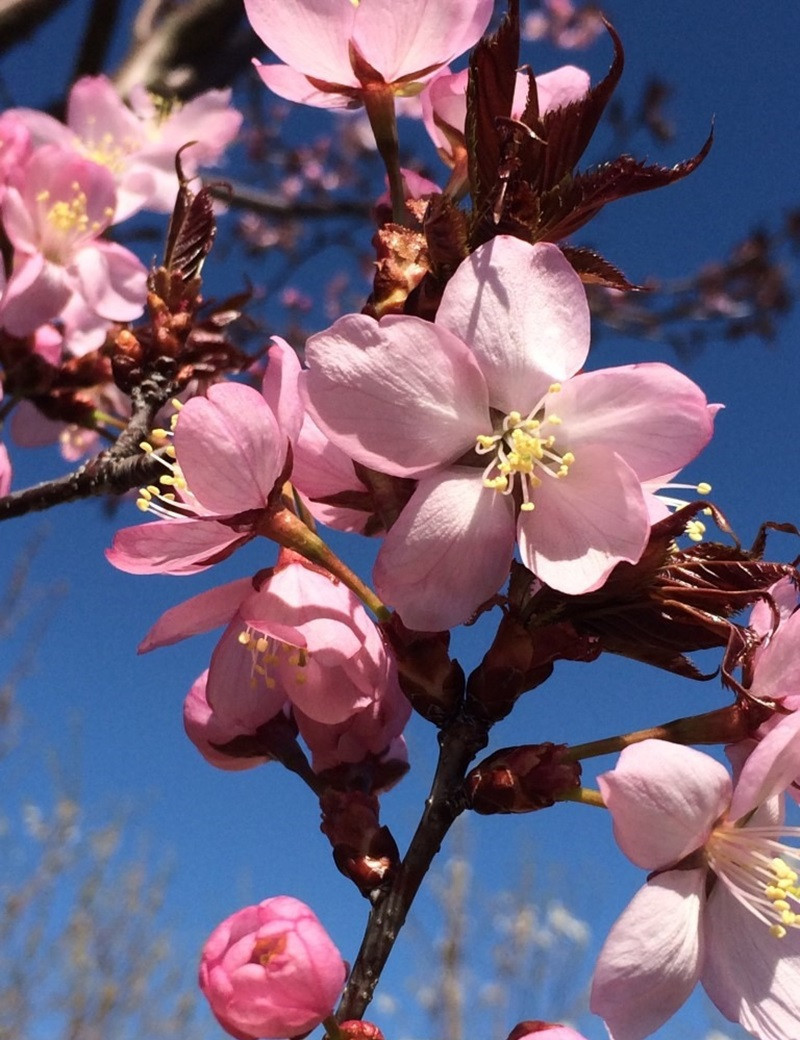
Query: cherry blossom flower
(138, 144)
(775, 669)
(271, 971)
(293, 634)
(55, 208)
(543, 1031)
(721, 904)
(485, 409)
(444, 105)
(333, 52)
(227, 453)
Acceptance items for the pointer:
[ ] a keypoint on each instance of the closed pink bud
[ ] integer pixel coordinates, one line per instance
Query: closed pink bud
(543, 1031)
(271, 971)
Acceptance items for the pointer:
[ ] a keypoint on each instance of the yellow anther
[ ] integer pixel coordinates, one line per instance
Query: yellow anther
(485, 440)
(145, 446)
(526, 507)
(161, 434)
(170, 450)
(243, 638)
(777, 931)
(695, 529)
(143, 504)
(146, 493)
(703, 488)
(43, 196)
(556, 420)
(554, 388)
(176, 404)
(261, 644)
(567, 458)
(168, 479)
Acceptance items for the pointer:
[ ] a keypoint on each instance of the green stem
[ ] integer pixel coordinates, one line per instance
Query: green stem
(583, 795)
(287, 529)
(721, 726)
(379, 105)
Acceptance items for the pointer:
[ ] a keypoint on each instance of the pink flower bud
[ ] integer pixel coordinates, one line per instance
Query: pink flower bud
(543, 1031)
(271, 971)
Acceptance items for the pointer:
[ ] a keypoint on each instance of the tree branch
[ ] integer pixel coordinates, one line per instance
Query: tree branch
(20, 18)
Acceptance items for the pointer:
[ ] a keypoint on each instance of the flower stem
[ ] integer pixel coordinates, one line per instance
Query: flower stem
(383, 120)
(583, 795)
(287, 529)
(721, 726)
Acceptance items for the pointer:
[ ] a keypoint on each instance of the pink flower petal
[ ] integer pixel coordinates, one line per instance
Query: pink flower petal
(312, 36)
(171, 546)
(752, 977)
(650, 414)
(523, 311)
(5, 471)
(403, 395)
(199, 614)
(398, 37)
(100, 118)
(449, 551)
(229, 448)
(664, 799)
(235, 698)
(291, 85)
(583, 525)
(279, 387)
(651, 959)
(113, 281)
(777, 668)
(771, 767)
(36, 292)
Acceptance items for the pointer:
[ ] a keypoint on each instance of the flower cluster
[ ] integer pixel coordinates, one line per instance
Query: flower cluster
(462, 421)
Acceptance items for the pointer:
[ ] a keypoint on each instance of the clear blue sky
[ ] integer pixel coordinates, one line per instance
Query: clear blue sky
(237, 838)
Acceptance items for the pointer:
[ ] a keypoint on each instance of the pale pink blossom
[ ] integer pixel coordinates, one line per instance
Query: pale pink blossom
(138, 144)
(228, 452)
(293, 634)
(324, 44)
(486, 410)
(56, 207)
(271, 971)
(720, 906)
(776, 662)
(444, 104)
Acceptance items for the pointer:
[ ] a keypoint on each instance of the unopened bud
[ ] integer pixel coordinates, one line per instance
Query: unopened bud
(363, 850)
(521, 779)
(432, 681)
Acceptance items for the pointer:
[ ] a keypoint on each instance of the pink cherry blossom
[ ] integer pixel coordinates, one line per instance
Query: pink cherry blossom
(55, 208)
(138, 144)
(271, 971)
(320, 44)
(294, 634)
(228, 452)
(485, 409)
(444, 104)
(720, 906)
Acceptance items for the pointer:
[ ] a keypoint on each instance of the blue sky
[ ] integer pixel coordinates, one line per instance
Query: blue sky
(238, 838)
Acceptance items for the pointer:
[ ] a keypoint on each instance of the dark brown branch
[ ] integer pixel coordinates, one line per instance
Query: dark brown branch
(119, 469)
(100, 26)
(20, 18)
(272, 204)
(459, 743)
(174, 56)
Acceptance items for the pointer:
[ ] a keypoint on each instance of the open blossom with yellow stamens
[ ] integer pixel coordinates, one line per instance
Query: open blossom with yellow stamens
(55, 208)
(137, 144)
(223, 460)
(722, 904)
(487, 408)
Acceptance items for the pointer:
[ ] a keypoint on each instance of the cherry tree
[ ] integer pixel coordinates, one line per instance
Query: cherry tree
(459, 415)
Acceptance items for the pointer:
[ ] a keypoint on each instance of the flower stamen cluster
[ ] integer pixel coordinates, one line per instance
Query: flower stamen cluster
(521, 450)
(753, 865)
(266, 653)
